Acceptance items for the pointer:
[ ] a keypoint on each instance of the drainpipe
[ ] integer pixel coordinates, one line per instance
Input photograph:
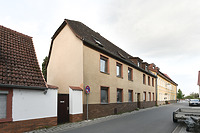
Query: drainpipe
(156, 91)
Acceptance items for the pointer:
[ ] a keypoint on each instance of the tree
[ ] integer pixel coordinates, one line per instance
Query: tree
(180, 95)
(44, 69)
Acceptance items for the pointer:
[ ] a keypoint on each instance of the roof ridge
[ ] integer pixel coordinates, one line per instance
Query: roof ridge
(15, 31)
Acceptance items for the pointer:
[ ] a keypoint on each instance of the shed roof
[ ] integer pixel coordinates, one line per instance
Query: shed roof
(18, 61)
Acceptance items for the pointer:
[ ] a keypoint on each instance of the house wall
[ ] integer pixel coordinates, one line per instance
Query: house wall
(31, 109)
(65, 66)
(166, 93)
(95, 79)
(33, 104)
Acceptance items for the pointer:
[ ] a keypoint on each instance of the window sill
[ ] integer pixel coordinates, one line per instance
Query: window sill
(119, 102)
(6, 120)
(105, 73)
(130, 80)
(119, 77)
(104, 103)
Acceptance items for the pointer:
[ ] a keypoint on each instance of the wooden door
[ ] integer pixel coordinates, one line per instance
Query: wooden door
(63, 108)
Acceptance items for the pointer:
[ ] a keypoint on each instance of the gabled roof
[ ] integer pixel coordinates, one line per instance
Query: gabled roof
(18, 62)
(96, 41)
(198, 82)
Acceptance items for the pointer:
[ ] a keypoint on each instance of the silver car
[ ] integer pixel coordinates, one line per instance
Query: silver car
(194, 102)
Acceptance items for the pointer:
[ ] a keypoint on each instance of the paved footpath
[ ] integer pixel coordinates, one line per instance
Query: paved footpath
(70, 126)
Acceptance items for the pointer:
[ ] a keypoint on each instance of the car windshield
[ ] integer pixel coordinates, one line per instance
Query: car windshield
(194, 100)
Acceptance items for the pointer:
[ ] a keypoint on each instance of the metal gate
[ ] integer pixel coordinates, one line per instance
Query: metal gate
(63, 108)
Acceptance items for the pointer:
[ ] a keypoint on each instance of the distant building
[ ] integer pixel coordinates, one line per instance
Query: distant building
(198, 83)
(166, 87)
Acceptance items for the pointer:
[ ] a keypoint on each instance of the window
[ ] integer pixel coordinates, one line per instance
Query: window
(138, 64)
(144, 79)
(130, 95)
(153, 82)
(6, 105)
(119, 70)
(130, 74)
(144, 96)
(148, 80)
(103, 64)
(104, 95)
(149, 96)
(3, 106)
(153, 96)
(119, 95)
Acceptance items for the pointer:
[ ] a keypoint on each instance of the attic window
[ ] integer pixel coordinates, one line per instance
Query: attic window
(121, 55)
(97, 41)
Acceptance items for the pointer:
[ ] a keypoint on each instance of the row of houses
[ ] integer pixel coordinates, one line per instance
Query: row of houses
(78, 57)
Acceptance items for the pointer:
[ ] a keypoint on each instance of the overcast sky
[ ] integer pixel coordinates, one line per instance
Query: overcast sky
(164, 32)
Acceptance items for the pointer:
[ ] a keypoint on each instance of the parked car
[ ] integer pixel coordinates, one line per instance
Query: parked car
(194, 102)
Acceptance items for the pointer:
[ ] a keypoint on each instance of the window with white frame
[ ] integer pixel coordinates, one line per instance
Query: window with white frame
(119, 95)
(103, 64)
(149, 96)
(130, 95)
(119, 69)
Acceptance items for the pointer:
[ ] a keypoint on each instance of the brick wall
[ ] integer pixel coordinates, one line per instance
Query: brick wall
(101, 110)
(75, 117)
(27, 125)
(147, 104)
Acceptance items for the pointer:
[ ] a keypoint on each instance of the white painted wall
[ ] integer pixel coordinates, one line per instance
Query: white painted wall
(33, 104)
(75, 102)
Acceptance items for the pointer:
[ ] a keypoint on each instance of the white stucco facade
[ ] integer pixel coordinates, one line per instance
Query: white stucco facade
(75, 102)
(33, 104)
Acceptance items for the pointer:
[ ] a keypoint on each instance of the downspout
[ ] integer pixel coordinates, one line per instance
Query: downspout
(156, 91)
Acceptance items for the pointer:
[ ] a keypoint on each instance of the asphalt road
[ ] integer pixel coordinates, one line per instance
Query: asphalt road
(157, 120)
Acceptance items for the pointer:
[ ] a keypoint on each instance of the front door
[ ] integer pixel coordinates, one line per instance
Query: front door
(138, 100)
(63, 108)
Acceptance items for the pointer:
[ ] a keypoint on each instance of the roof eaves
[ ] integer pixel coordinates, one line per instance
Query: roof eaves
(23, 87)
(113, 55)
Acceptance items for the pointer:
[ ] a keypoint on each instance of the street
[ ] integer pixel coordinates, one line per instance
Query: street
(156, 120)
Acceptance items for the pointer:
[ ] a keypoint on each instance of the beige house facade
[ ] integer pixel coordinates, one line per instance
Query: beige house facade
(166, 87)
(81, 57)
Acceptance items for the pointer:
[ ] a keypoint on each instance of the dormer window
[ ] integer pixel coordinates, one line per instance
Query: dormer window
(146, 67)
(121, 55)
(153, 67)
(138, 64)
(97, 41)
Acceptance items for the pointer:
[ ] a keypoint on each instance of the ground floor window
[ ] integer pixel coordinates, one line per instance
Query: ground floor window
(149, 96)
(104, 95)
(3, 106)
(144, 96)
(130, 95)
(119, 95)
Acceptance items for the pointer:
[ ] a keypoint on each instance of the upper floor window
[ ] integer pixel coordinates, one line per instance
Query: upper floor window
(119, 69)
(153, 82)
(144, 79)
(130, 74)
(103, 64)
(148, 80)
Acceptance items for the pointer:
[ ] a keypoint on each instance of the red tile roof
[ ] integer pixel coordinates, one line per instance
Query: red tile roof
(18, 61)
(76, 88)
(198, 82)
